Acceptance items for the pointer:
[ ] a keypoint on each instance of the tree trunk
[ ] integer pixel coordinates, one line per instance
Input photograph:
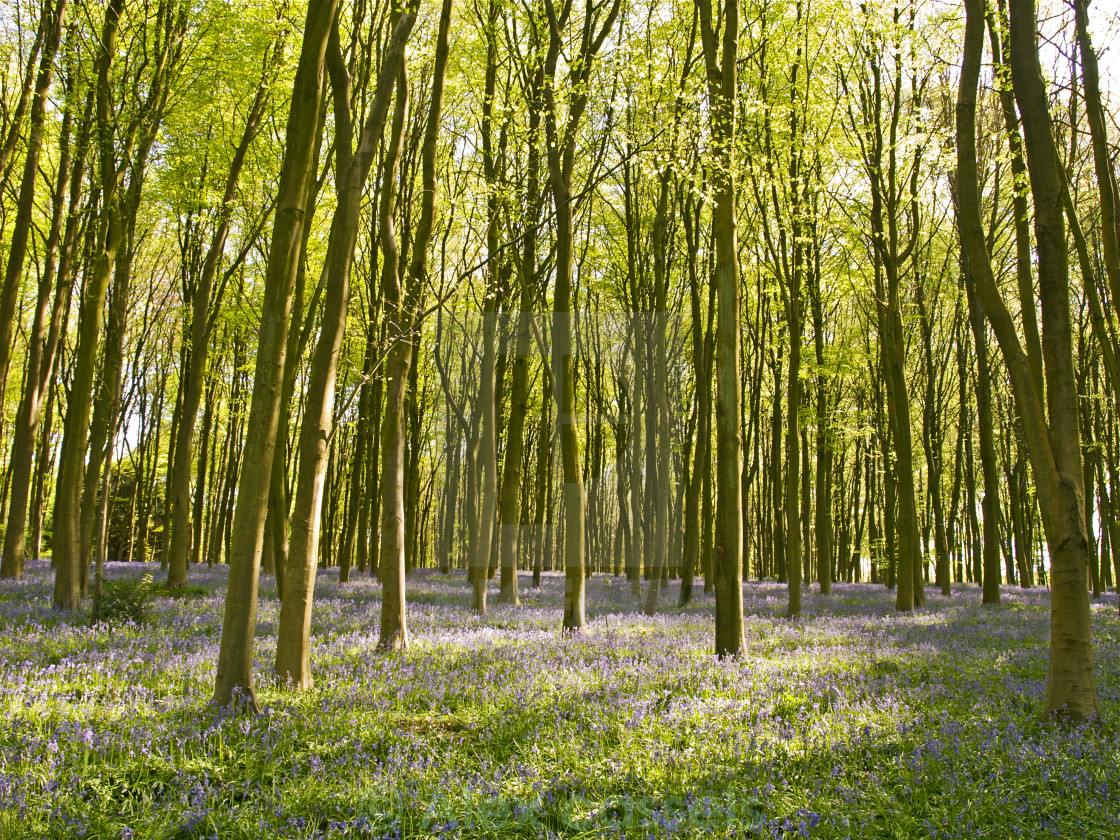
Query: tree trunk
(825, 438)
(488, 421)
(661, 389)
(66, 543)
(351, 173)
(990, 506)
(46, 335)
(235, 659)
(50, 30)
(1071, 688)
(792, 498)
(701, 358)
(393, 628)
(561, 149)
(721, 63)
(1053, 441)
(1106, 177)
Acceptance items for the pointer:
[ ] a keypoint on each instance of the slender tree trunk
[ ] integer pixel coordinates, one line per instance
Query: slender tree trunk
(107, 399)
(509, 533)
(394, 617)
(317, 432)
(201, 486)
(542, 515)
(661, 390)
(202, 324)
(489, 382)
(721, 62)
(825, 439)
(1019, 206)
(235, 659)
(1102, 156)
(932, 442)
(170, 23)
(694, 520)
(394, 623)
(50, 28)
(990, 506)
(1052, 436)
(42, 469)
(46, 334)
(637, 478)
(67, 549)
(413, 400)
(777, 485)
(792, 497)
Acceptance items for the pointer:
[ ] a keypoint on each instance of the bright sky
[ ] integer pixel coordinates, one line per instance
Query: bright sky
(1056, 16)
(1056, 25)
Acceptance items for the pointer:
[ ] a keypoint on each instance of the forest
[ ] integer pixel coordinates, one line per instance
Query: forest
(559, 418)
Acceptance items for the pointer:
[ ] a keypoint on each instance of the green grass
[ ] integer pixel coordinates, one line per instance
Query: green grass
(852, 722)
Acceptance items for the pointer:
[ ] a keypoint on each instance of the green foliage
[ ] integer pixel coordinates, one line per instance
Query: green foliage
(126, 600)
(188, 591)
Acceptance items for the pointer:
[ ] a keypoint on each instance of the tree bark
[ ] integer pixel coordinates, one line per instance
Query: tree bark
(721, 62)
(393, 627)
(1102, 163)
(50, 28)
(401, 335)
(488, 383)
(234, 680)
(352, 167)
(46, 333)
(1053, 441)
(67, 549)
(561, 148)
(510, 526)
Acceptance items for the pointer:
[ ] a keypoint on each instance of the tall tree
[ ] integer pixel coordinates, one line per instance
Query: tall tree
(1102, 158)
(352, 168)
(234, 679)
(48, 325)
(561, 137)
(531, 77)
(204, 300)
(1051, 434)
(393, 632)
(71, 463)
(721, 55)
(491, 298)
(50, 33)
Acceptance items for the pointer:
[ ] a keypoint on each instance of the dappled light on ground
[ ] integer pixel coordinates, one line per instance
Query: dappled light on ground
(852, 721)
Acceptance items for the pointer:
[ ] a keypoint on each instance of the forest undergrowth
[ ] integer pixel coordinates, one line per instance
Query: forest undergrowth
(850, 722)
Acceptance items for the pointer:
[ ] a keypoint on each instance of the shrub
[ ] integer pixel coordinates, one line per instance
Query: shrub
(191, 591)
(126, 600)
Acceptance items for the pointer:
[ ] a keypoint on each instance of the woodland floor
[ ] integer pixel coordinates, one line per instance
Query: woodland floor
(850, 722)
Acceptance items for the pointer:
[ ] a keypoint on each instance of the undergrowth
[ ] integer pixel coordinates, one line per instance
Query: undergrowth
(853, 722)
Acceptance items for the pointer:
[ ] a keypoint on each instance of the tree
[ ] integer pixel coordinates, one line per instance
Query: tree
(352, 168)
(67, 536)
(234, 678)
(1052, 434)
(721, 51)
(560, 135)
(51, 22)
(48, 326)
(402, 323)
